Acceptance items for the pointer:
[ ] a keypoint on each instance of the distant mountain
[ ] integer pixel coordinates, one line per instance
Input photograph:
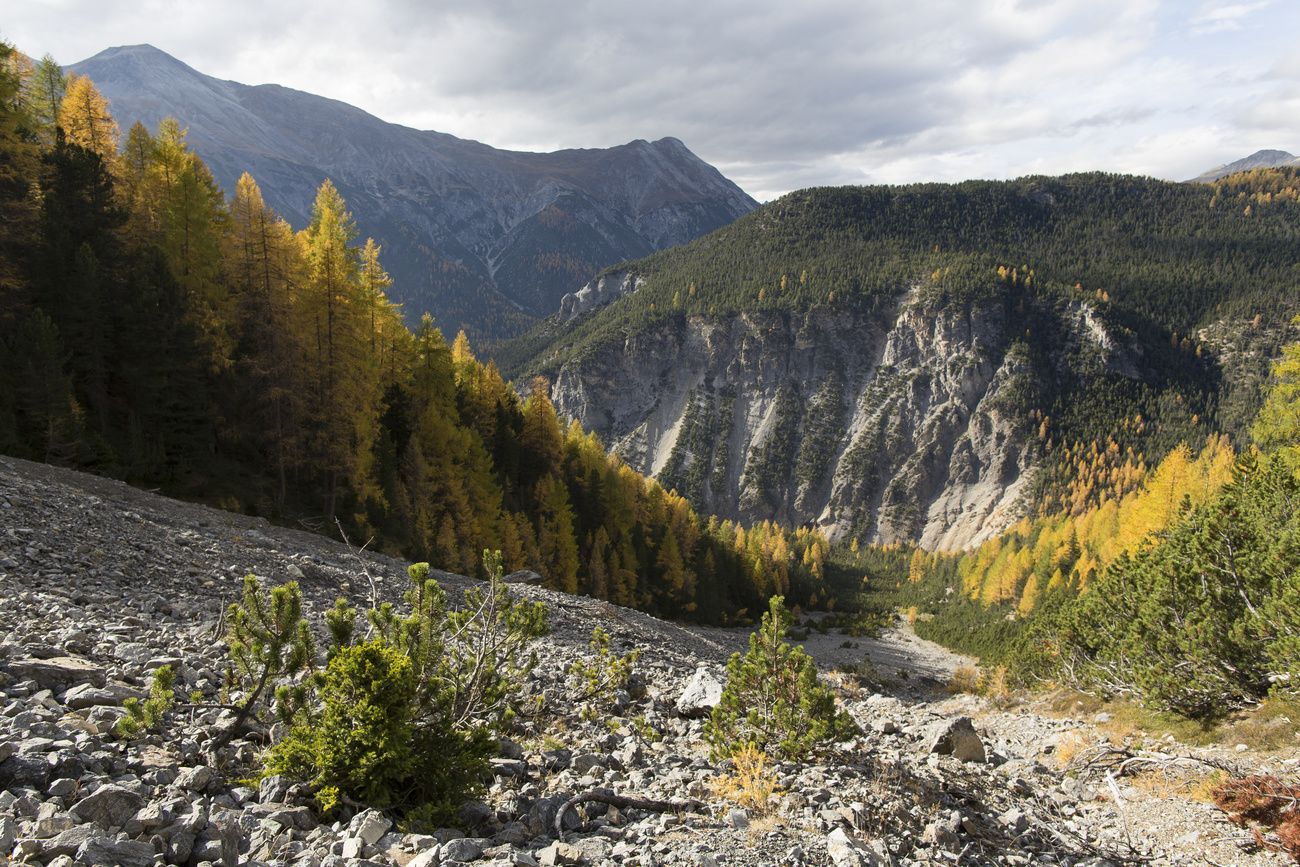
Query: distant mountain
(483, 238)
(1257, 160)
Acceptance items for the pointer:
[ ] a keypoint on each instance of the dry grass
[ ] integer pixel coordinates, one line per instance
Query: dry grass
(993, 685)
(1192, 785)
(751, 783)
(1071, 745)
(966, 679)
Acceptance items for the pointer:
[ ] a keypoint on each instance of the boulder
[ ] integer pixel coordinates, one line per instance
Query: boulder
(956, 738)
(59, 672)
(110, 853)
(107, 807)
(701, 694)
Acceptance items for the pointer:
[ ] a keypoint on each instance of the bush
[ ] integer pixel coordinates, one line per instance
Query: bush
(402, 720)
(366, 744)
(773, 699)
(147, 716)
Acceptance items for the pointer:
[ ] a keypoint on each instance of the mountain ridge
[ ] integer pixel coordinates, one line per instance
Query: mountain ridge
(481, 237)
(1262, 159)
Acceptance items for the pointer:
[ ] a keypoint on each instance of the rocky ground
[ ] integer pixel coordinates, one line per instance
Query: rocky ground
(102, 583)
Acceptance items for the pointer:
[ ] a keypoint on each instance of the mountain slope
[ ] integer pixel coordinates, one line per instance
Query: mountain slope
(482, 238)
(921, 362)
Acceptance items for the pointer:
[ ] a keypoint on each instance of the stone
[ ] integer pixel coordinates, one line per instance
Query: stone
(560, 853)
(464, 849)
(369, 826)
(86, 695)
(69, 841)
(428, 858)
(24, 772)
(956, 738)
(108, 852)
(8, 833)
(107, 807)
(195, 779)
(274, 789)
(701, 695)
(846, 850)
(58, 673)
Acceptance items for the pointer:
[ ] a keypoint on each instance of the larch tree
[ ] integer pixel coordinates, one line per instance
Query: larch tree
(266, 267)
(343, 398)
(85, 119)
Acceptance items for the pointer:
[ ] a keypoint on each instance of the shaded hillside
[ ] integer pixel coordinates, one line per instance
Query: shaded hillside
(897, 362)
(481, 238)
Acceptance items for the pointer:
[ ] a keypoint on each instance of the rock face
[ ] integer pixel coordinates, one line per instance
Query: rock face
(884, 425)
(598, 293)
(469, 233)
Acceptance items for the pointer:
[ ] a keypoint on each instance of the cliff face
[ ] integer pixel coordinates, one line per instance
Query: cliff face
(907, 423)
(475, 235)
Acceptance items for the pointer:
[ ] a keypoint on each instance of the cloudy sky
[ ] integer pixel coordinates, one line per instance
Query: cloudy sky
(778, 95)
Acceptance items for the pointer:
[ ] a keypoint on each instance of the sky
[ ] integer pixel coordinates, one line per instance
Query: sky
(778, 95)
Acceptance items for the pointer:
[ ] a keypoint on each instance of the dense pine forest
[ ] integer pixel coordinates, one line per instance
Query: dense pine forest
(158, 330)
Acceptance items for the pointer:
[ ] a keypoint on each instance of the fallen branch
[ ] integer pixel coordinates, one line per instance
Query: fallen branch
(622, 803)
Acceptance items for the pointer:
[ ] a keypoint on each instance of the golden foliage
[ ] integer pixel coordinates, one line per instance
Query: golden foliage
(751, 783)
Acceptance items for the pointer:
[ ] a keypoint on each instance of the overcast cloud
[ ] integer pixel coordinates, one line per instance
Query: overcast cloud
(780, 95)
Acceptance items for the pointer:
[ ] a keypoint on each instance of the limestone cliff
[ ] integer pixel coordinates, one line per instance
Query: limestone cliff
(904, 423)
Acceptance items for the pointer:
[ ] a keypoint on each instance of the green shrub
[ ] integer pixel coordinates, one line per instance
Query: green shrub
(365, 743)
(597, 680)
(403, 720)
(147, 716)
(773, 699)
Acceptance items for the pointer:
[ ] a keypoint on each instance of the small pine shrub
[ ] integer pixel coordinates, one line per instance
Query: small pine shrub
(366, 745)
(147, 716)
(598, 679)
(773, 699)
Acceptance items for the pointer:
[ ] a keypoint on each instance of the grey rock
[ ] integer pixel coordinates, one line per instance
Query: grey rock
(195, 779)
(955, 738)
(428, 858)
(70, 841)
(701, 694)
(274, 789)
(369, 826)
(107, 807)
(59, 672)
(112, 695)
(464, 849)
(107, 852)
(21, 771)
(560, 853)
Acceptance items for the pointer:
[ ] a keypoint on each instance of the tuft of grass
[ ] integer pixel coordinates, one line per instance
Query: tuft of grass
(751, 783)
(966, 679)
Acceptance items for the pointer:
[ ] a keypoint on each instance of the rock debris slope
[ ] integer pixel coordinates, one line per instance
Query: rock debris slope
(102, 583)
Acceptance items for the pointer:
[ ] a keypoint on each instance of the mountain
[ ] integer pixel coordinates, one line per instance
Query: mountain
(1265, 159)
(483, 238)
(925, 362)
